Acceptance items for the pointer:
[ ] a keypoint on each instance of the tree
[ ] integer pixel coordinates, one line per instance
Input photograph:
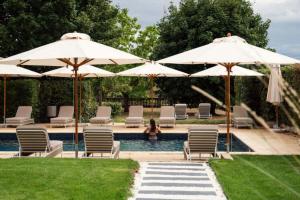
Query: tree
(26, 24)
(140, 43)
(196, 23)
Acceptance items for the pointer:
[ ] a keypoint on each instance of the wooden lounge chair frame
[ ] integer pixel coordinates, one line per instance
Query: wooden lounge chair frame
(35, 140)
(22, 117)
(241, 118)
(201, 140)
(100, 140)
(64, 118)
(103, 116)
(167, 116)
(204, 111)
(135, 117)
(181, 112)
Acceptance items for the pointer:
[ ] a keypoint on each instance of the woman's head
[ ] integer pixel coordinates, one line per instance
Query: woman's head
(152, 123)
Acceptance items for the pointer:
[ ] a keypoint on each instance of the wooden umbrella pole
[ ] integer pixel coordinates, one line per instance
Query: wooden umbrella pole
(277, 115)
(151, 95)
(75, 66)
(4, 100)
(76, 108)
(228, 67)
(80, 97)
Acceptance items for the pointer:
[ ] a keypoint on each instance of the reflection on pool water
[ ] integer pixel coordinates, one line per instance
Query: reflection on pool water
(130, 142)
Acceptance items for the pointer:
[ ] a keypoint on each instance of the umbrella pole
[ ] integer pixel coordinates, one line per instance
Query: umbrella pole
(4, 100)
(277, 116)
(228, 67)
(80, 98)
(151, 96)
(76, 109)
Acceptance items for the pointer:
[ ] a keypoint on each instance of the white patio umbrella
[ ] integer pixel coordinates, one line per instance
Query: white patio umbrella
(229, 51)
(73, 49)
(220, 70)
(85, 71)
(274, 95)
(152, 70)
(7, 71)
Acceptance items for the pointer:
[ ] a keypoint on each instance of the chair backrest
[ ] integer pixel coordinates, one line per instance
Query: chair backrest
(66, 111)
(239, 111)
(167, 111)
(33, 138)
(204, 128)
(98, 139)
(24, 111)
(136, 111)
(203, 140)
(103, 111)
(180, 109)
(204, 109)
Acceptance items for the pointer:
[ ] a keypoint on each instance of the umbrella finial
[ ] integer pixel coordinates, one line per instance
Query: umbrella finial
(228, 34)
(75, 35)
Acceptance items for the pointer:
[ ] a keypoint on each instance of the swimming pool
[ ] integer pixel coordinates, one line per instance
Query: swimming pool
(131, 142)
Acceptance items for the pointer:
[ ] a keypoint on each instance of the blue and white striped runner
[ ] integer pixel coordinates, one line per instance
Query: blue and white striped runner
(176, 181)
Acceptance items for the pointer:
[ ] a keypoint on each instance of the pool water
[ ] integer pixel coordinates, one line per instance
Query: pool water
(131, 142)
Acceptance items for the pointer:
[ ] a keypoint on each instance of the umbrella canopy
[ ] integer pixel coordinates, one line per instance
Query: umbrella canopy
(274, 89)
(220, 70)
(72, 48)
(152, 69)
(232, 49)
(76, 50)
(229, 51)
(274, 94)
(86, 71)
(13, 71)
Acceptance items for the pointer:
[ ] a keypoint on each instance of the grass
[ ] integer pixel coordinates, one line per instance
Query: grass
(38, 178)
(120, 118)
(259, 177)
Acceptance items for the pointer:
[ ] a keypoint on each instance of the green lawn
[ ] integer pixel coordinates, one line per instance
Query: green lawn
(40, 178)
(259, 177)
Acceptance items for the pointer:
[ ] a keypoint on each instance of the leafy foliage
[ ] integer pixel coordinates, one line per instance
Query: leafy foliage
(116, 107)
(28, 24)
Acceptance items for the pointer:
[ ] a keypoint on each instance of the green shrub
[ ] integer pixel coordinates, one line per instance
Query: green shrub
(253, 92)
(20, 92)
(89, 103)
(116, 107)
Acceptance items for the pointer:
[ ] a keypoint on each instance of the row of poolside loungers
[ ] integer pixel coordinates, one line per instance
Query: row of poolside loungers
(168, 116)
(99, 142)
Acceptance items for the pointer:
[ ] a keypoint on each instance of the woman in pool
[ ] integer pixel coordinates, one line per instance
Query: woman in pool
(152, 131)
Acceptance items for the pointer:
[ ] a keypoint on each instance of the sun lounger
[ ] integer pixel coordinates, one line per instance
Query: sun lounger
(201, 140)
(135, 117)
(241, 117)
(35, 139)
(65, 117)
(103, 115)
(204, 111)
(100, 140)
(23, 117)
(167, 116)
(180, 111)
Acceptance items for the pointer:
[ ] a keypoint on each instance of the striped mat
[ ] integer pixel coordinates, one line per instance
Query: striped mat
(176, 180)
